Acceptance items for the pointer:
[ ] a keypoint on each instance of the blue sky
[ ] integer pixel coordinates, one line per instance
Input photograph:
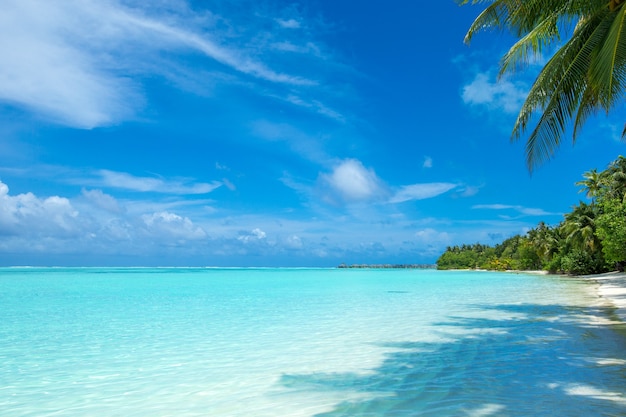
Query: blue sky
(265, 133)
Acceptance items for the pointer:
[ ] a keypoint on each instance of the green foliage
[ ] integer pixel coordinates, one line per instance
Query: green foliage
(584, 75)
(515, 253)
(580, 262)
(465, 257)
(590, 238)
(529, 257)
(553, 266)
(612, 230)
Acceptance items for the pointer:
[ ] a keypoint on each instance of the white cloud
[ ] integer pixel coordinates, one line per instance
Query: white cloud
(44, 71)
(166, 225)
(293, 242)
(78, 62)
(306, 146)
(102, 200)
(307, 48)
(353, 182)
(315, 106)
(428, 162)
(421, 191)
(32, 224)
(228, 184)
(127, 181)
(28, 215)
(433, 237)
(503, 94)
(174, 230)
(254, 236)
(521, 209)
(288, 23)
(469, 191)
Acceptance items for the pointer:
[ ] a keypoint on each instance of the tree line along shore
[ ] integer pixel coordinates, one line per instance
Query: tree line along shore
(591, 239)
(389, 266)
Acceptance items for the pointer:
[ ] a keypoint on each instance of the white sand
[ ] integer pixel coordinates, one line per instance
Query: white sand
(612, 287)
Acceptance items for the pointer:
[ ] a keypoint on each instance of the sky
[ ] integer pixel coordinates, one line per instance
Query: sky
(266, 133)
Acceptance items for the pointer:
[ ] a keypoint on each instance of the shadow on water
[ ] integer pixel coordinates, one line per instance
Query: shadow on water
(524, 360)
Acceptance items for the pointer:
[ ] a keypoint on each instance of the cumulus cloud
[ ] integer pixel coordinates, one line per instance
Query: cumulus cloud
(170, 225)
(254, 236)
(421, 191)
(57, 224)
(503, 94)
(102, 200)
(353, 182)
(28, 215)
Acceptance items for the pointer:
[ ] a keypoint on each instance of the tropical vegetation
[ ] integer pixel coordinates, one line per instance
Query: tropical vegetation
(586, 73)
(590, 239)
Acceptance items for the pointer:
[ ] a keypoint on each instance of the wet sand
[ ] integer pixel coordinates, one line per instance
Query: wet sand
(612, 287)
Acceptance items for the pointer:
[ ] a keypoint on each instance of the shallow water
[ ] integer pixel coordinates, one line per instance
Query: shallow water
(304, 342)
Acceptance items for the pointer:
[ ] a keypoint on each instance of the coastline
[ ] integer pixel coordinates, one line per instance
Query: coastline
(611, 286)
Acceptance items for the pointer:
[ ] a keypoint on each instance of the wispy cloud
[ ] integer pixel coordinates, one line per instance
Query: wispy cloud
(316, 106)
(127, 181)
(80, 63)
(527, 211)
(503, 95)
(289, 23)
(303, 144)
(421, 191)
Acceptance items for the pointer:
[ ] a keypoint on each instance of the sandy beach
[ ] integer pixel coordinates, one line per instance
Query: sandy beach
(612, 287)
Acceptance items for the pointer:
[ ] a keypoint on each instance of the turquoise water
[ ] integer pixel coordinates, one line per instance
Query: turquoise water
(305, 342)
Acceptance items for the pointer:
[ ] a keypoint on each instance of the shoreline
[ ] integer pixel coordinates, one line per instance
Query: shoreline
(611, 287)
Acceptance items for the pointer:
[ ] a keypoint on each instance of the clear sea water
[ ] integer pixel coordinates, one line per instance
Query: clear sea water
(305, 342)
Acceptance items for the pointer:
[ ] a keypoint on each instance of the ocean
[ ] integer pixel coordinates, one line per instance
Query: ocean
(305, 342)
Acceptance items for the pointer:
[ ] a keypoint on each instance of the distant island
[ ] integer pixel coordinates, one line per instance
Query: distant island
(389, 266)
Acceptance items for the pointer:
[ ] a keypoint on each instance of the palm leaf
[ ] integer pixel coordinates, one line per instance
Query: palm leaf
(607, 70)
(558, 91)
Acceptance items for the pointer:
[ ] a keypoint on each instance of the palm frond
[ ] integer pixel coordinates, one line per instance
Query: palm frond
(531, 44)
(558, 92)
(607, 73)
(585, 75)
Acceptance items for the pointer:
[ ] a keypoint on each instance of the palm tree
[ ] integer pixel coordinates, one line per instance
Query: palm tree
(592, 183)
(614, 179)
(580, 228)
(586, 74)
(545, 240)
